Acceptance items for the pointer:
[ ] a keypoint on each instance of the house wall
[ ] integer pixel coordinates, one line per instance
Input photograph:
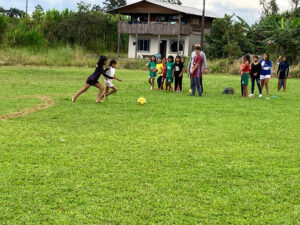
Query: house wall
(154, 45)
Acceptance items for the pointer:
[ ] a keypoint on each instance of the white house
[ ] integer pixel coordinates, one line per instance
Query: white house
(158, 27)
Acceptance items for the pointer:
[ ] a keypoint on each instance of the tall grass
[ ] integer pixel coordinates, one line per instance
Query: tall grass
(79, 57)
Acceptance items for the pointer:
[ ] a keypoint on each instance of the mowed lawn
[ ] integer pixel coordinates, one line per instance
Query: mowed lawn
(177, 160)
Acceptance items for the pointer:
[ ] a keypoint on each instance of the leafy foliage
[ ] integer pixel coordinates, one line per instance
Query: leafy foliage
(228, 38)
(112, 4)
(89, 27)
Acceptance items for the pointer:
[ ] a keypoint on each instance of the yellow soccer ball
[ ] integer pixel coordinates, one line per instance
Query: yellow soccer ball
(142, 101)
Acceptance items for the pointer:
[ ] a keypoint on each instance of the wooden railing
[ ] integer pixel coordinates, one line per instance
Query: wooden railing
(153, 28)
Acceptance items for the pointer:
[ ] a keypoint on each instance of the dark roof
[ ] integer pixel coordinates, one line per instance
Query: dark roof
(175, 7)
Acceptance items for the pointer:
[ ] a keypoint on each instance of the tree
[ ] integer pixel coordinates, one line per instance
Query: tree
(228, 38)
(112, 4)
(83, 7)
(270, 7)
(15, 13)
(38, 13)
(295, 3)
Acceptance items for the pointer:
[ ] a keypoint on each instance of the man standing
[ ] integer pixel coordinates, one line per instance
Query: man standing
(203, 60)
(196, 72)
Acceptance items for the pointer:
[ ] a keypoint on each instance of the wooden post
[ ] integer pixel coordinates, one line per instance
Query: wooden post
(158, 44)
(26, 7)
(148, 18)
(136, 44)
(178, 38)
(119, 36)
(202, 29)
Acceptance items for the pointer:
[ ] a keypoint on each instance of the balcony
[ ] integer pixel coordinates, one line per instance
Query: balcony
(153, 28)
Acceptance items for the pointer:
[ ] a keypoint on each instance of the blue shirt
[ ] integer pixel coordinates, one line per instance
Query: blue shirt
(266, 67)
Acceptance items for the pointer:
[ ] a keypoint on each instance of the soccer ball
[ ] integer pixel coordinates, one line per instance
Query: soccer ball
(142, 101)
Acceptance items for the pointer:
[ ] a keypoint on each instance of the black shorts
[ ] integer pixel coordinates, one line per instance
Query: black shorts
(91, 82)
(282, 75)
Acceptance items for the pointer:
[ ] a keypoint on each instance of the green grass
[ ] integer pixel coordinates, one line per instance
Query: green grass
(177, 160)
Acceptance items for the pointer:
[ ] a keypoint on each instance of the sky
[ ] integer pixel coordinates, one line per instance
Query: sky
(247, 9)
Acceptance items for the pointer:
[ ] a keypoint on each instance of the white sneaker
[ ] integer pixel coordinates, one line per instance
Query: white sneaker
(151, 88)
(251, 95)
(260, 96)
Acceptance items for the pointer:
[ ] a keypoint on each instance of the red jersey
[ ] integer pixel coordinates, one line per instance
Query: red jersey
(198, 72)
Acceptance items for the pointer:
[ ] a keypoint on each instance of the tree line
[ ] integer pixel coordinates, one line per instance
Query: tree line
(89, 26)
(92, 28)
(275, 32)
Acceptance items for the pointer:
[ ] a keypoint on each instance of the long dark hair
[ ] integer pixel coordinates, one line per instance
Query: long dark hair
(247, 57)
(102, 59)
(171, 57)
(178, 57)
(268, 58)
(153, 56)
(113, 61)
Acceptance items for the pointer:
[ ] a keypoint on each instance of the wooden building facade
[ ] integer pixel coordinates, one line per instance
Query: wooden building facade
(157, 27)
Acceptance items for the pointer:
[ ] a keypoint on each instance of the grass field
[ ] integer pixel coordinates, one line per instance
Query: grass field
(177, 160)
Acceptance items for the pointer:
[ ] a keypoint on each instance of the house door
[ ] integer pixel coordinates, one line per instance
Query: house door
(163, 48)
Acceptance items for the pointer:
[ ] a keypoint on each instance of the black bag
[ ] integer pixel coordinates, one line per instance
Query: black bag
(228, 91)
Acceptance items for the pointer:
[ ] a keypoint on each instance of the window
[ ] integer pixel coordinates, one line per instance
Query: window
(173, 45)
(144, 45)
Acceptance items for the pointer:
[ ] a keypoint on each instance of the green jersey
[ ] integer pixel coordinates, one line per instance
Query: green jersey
(152, 65)
(170, 67)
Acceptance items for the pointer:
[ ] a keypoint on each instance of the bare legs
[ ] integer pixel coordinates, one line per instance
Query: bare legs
(265, 82)
(284, 85)
(279, 84)
(100, 93)
(245, 91)
(151, 82)
(84, 89)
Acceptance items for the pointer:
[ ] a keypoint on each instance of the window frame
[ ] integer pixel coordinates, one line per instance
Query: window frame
(144, 39)
(173, 40)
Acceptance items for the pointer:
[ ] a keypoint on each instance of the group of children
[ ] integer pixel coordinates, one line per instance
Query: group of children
(260, 73)
(167, 71)
(93, 80)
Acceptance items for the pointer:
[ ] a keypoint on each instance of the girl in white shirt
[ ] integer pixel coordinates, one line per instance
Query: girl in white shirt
(111, 70)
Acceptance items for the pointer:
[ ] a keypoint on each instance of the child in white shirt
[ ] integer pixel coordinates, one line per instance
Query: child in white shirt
(111, 70)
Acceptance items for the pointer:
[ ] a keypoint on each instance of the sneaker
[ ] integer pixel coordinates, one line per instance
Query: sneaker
(251, 95)
(260, 96)
(151, 88)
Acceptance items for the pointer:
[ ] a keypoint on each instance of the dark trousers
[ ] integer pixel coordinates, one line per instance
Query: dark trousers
(195, 83)
(159, 82)
(201, 85)
(257, 80)
(178, 82)
(242, 87)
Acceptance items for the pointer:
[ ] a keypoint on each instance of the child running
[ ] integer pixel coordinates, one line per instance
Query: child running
(159, 68)
(111, 70)
(178, 72)
(169, 76)
(255, 76)
(164, 62)
(245, 69)
(151, 66)
(93, 80)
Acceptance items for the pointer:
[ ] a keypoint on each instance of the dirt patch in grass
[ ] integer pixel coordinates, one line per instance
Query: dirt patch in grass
(47, 102)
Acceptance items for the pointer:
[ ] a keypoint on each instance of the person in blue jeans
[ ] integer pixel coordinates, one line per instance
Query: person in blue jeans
(255, 76)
